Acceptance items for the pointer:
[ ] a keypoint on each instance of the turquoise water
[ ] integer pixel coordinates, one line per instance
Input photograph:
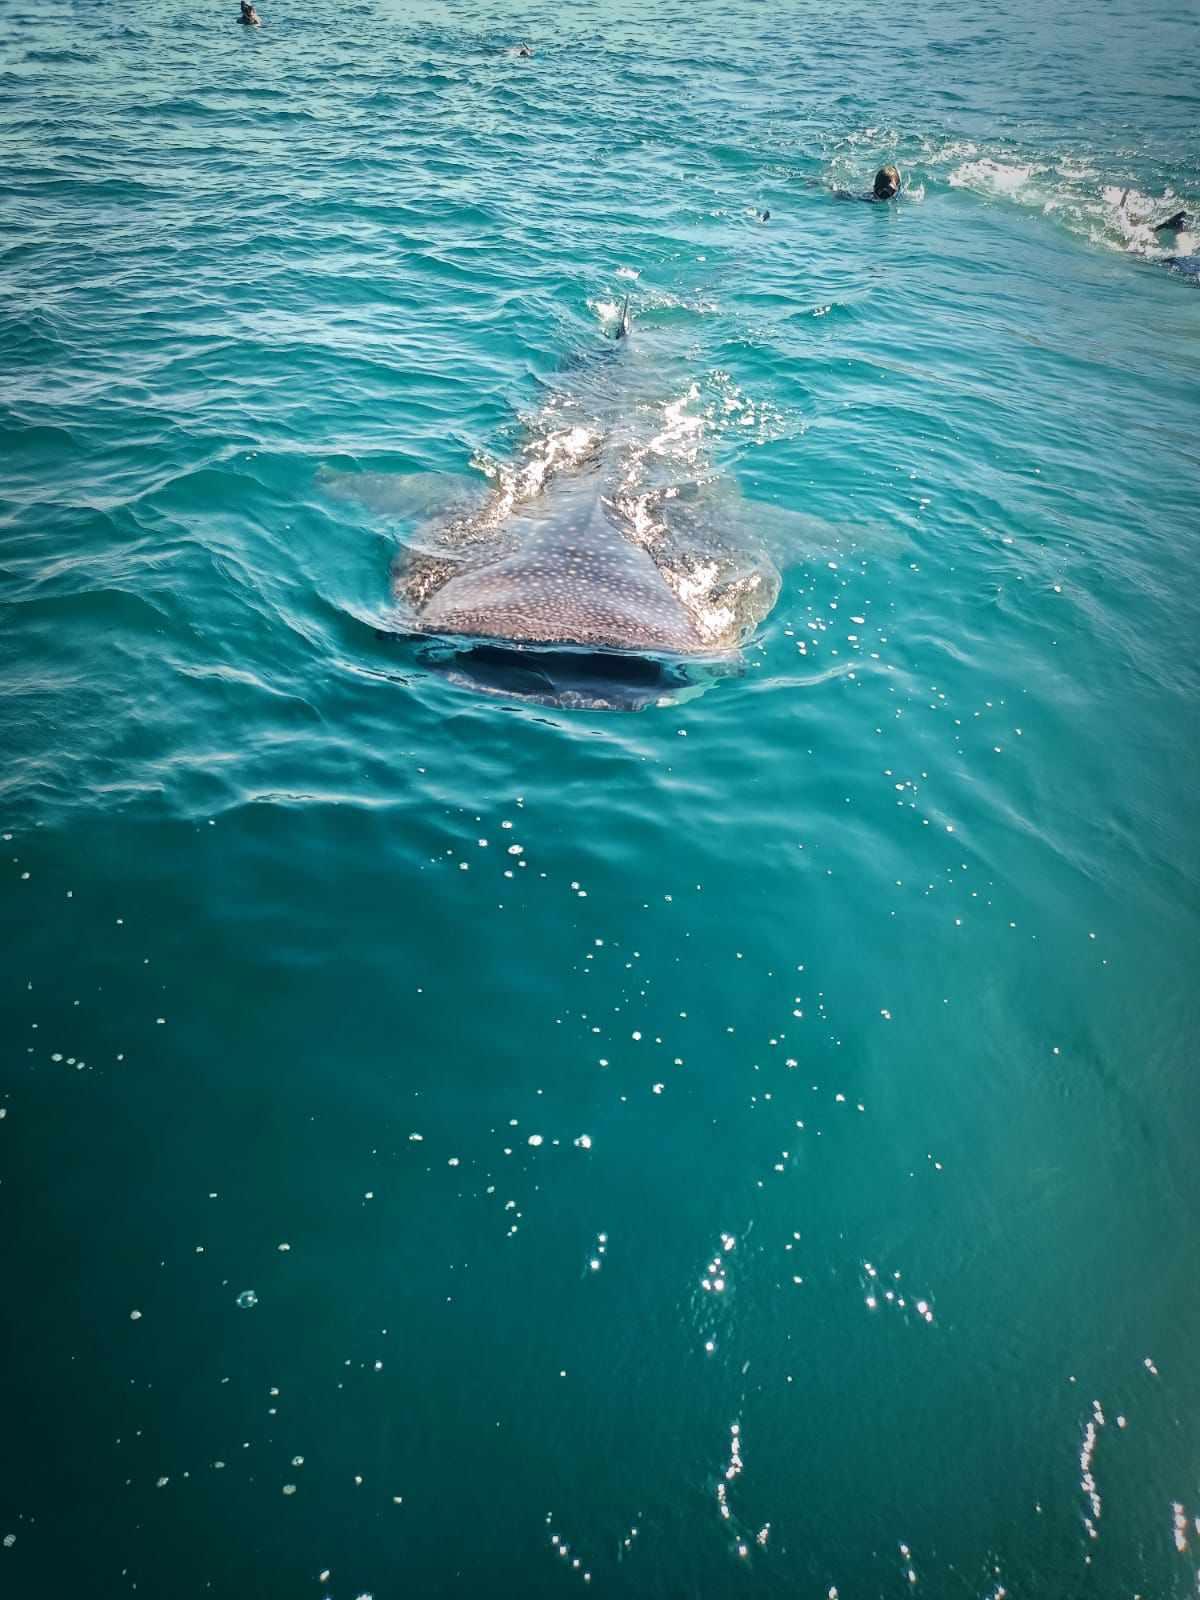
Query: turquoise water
(456, 1146)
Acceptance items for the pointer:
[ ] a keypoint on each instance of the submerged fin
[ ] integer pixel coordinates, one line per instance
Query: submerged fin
(624, 325)
(720, 517)
(408, 496)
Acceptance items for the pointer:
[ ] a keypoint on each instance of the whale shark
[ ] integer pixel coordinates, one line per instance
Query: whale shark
(603, 568)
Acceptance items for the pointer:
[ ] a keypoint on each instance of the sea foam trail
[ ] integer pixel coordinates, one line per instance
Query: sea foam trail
(1081, 191)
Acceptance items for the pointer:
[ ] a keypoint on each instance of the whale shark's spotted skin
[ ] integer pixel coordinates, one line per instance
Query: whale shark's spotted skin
(566, 574)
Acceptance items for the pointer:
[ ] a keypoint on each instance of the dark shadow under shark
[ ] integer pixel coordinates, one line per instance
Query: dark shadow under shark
(602, 570)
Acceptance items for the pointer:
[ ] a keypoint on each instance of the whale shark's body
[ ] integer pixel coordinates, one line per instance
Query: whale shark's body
(589, 575)
(561, 572)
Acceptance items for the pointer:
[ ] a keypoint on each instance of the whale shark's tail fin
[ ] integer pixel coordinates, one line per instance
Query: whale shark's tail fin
(623, 321)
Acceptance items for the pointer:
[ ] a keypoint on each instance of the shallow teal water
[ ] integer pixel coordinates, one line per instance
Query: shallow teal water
(802, 1124)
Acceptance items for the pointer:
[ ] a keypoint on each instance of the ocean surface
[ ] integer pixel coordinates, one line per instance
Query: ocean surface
(454, 1145)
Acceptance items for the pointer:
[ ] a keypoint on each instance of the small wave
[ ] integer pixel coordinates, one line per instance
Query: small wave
(58, 57)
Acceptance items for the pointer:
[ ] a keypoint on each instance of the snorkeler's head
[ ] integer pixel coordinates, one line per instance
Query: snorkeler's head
(887, 183)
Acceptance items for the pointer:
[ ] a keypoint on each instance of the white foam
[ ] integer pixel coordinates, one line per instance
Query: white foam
(993, 177)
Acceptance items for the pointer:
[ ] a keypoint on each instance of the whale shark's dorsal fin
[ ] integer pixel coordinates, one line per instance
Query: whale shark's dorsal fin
(623, 323)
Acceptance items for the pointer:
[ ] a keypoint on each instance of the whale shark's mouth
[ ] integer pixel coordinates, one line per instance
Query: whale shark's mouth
(575, 679)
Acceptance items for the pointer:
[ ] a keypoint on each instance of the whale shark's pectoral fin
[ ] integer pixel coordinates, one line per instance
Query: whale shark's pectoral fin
(407, 496)
(786, 537)
(711, 522)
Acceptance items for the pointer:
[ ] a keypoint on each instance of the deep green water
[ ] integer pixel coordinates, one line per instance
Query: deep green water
(804, 1123)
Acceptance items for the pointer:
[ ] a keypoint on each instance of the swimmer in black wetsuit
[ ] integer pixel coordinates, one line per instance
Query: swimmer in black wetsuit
(249, 16)
(886, 187)
(1175, 223)
(1172, 225)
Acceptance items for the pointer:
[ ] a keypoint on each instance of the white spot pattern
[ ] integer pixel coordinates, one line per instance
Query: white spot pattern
(574, 579)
